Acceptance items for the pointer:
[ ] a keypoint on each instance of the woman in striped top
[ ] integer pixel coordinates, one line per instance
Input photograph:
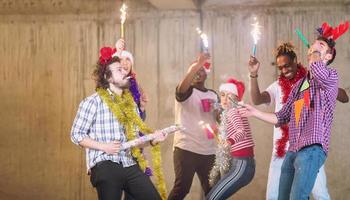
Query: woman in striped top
(235, 134)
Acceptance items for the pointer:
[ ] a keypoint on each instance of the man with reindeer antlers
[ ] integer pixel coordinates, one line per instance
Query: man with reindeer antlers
(309, 111)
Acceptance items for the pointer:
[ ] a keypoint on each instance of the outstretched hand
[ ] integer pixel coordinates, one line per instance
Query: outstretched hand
(247, 110)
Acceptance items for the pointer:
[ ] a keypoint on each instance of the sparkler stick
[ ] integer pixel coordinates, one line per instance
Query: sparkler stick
(234, 103)
(255, 34)
(209, 131)
(204, 39)
(122, 19)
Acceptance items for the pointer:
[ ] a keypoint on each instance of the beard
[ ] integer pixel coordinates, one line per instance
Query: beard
(123, 84)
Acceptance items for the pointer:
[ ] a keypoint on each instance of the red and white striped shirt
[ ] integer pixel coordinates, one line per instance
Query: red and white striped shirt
(239, 134)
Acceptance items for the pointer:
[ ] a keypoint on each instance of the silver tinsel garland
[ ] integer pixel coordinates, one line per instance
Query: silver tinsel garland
(223, 154)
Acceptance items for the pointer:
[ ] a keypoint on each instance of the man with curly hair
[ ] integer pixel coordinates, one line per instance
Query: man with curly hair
(102, 125)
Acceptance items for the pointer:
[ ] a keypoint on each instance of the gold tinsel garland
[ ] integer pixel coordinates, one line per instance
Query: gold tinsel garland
(123, 108)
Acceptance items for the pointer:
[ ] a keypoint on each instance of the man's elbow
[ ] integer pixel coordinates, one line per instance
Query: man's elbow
(255, 102)
(344, 100)
(181, 88)
(342, 96)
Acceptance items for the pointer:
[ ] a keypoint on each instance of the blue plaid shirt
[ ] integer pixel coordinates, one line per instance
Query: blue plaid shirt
(95, 120)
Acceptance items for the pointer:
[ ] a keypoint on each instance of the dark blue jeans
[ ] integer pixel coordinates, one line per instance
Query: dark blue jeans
(299, 171)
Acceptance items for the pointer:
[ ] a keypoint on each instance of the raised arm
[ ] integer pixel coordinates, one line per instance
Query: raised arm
(186, 82)
(326, 77)
(120, 46)
(255, 94)
(279, 118)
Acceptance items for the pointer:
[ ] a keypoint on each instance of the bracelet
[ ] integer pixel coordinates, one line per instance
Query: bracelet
(251, 76)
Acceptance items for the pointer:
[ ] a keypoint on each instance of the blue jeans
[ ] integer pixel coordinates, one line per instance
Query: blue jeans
(299, 171)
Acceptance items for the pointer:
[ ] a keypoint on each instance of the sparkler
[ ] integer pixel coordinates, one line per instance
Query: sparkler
(255, 34)
(122, 19)
(208, 130)
(204, 38)
(235, 103)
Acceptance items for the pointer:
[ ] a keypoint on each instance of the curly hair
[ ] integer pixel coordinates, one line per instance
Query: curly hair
(286, 49)
(102, 73)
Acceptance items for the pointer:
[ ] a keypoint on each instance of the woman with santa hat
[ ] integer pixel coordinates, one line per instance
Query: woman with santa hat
(235, 136)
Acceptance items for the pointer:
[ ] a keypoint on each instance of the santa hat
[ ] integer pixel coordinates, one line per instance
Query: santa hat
(233, 86)
(126, 54)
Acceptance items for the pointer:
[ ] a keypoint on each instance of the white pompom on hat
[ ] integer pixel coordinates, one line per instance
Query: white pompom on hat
(126, 54)
(229, 87)
(233, 86)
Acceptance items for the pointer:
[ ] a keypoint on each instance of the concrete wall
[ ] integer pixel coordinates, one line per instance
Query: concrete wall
(46, 64)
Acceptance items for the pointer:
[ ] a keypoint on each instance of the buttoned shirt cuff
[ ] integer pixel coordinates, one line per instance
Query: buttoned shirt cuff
(77, 138)
(280, 121)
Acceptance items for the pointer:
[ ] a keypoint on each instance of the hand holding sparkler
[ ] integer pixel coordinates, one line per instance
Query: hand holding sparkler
(253, 66)
(120, 46)
(255, 34)
(203, 58)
